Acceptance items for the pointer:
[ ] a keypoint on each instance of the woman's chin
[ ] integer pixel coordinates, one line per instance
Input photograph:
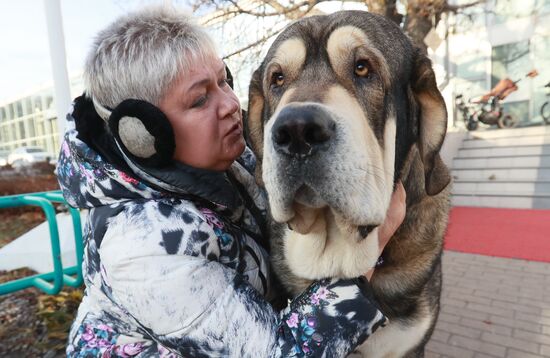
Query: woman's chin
(237, 147)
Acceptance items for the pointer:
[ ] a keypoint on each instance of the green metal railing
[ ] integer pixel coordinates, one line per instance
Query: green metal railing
(50, 282)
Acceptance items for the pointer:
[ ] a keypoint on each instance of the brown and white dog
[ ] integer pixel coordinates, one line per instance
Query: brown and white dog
(342, 107)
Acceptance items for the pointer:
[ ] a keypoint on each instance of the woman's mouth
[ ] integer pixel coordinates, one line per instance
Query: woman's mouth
(235, 130)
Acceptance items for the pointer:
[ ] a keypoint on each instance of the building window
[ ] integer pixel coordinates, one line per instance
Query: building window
(49, 102)
(513, 61)
(18, 109)
(22, 133)
(519, 110)
(470, 88)
(28, 105)
(510, 61)
(471, 66)
(37, 103)
(32, 125)
(11, 111)
(506, 10)
(541, 94)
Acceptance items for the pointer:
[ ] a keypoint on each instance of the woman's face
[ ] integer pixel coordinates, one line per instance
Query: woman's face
(206, 117)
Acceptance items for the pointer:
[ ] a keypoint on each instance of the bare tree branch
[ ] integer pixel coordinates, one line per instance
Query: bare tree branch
(455, 8)
(254, 44)
(295, 12)
(387, 8)
(249, 36)
(423, 15)
(279, 9)
(290, 12)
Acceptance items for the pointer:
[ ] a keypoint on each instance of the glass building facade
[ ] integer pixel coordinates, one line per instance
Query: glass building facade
(503, 39)
(31, 120)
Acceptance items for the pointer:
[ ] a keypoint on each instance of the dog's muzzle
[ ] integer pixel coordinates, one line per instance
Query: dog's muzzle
(302, 131)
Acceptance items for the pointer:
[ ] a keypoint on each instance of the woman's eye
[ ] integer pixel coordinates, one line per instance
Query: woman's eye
(361, 68)
(277, 79)
(199, 102)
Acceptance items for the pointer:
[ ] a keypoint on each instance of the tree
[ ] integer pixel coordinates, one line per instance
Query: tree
(420, 16)
(417, 19)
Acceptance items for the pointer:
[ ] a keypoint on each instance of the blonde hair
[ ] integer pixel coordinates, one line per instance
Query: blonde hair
(140, 54)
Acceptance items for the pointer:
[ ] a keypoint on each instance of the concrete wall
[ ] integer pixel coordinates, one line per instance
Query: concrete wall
(449, 150)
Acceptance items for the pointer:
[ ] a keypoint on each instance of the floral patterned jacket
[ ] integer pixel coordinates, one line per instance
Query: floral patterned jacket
(170, 275)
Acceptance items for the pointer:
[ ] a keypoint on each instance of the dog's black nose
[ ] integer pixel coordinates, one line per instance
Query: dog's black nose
(302, 130)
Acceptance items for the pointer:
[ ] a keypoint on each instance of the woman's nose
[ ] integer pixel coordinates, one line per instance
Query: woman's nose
(229, 104)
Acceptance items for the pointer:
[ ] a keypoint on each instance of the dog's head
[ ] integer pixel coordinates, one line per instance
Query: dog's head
(334, 109)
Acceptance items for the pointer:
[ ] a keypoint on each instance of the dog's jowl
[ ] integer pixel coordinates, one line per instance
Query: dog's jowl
(342, 107)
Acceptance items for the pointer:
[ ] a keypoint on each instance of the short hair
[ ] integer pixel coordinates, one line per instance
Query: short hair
(140, 54)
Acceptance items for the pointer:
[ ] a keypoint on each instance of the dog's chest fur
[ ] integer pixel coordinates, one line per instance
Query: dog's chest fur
(407, 286)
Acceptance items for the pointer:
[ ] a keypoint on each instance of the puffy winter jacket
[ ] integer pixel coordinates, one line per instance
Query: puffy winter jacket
(182, 272)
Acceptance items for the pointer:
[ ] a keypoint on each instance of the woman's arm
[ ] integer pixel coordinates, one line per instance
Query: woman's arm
(196, 306)
(394, 219)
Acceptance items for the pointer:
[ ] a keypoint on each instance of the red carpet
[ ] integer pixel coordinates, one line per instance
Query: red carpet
(512, 233)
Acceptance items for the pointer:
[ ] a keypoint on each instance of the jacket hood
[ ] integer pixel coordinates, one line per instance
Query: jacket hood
(88, 181)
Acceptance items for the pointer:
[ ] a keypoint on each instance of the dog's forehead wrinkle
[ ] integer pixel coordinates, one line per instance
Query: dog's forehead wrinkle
(348, 38)
(290, 55)
(307, 29)
(385, 34)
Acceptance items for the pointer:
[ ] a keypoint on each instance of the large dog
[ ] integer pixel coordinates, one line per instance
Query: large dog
(342, 107)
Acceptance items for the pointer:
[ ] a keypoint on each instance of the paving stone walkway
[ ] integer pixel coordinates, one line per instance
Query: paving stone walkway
(492, 307)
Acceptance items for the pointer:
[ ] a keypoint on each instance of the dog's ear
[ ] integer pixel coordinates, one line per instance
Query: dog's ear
(432, 123)
(254, 122)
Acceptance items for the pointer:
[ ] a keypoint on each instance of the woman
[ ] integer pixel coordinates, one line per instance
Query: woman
(174, 263)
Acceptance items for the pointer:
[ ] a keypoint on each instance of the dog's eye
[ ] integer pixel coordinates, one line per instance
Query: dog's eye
(361, 68)
(277, 79)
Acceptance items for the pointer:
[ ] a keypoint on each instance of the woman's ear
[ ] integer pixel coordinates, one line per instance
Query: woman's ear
(432, 123)
(254, 121)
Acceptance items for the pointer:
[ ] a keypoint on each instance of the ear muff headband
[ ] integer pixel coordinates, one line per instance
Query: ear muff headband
(229, 77)
(141, 130)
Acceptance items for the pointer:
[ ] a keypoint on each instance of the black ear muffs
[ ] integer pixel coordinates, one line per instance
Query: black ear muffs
(229, 77)
(142, 131)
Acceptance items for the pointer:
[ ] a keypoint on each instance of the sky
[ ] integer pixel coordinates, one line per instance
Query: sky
(24, 50)
(25, 64)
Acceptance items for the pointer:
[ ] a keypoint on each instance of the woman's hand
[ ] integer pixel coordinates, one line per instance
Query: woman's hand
(394, 218)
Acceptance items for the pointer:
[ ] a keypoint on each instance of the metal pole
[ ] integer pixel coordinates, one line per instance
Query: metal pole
(56, 40)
